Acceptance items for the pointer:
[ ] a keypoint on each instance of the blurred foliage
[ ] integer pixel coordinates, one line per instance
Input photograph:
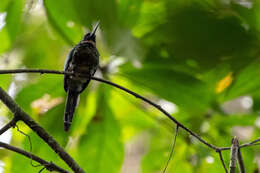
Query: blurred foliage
(198, 55)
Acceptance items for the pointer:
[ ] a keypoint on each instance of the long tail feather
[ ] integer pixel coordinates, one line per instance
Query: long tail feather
(71, 104)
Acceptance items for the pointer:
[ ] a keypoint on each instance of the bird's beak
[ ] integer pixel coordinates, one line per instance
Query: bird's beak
(95, 29)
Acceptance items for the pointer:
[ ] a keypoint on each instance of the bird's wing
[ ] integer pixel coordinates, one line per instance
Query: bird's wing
(69, 59)
(66, 66)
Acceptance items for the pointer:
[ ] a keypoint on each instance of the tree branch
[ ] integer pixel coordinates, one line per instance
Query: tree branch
(233, 155)
(121, 88)
(249, 144)
(20, 114)
(240, 161)
(172, 149)
(48, 165)
(222, 161)
(9, 125)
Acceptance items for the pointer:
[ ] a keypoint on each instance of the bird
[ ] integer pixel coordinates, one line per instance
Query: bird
(83, 62)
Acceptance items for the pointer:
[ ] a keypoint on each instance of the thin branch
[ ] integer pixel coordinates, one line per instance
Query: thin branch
(255, 142)
(249, 144)
(48, 165)
(233, 155)
(18, 112)
(122, 88)
(41, 71)
(240, 161)
(30, 144)
(160, 109)
(222, 161)
(8, 125)
(173, 146)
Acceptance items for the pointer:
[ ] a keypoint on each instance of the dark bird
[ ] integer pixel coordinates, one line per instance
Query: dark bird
(82, 61)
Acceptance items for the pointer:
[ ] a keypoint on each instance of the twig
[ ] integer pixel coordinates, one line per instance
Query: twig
(241, 162)
(122, 88)
(30, 144)
(160, 109)
(48, 165)
(18, 112)
(249, 144)
(173, 145)
(255, 142)
(8, 125)
(222, 161)
(233, 155)
(41, 71)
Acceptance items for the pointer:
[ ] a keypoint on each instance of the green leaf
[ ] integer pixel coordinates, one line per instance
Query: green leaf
(64, 19)
(101, 149)
(184, 90)
(3, 5)
(158, 153)
(8, 34)
(246, 82)
(5, 81)
(45, 85)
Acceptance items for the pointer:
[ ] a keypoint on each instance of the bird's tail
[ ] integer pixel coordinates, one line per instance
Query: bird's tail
(71, 103)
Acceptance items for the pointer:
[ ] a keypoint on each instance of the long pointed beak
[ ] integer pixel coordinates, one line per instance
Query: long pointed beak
(95, 29)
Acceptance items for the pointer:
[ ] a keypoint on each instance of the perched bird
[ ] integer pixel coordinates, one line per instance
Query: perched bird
(83, 61)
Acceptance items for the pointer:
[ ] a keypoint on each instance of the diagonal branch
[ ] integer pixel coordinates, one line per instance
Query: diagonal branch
(20, 114)
(222, 161)
(172, 149)
(121, 88)
(48, 165)
(9, 125)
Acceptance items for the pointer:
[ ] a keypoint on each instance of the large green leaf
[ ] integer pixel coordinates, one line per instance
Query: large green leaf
(13, 22)
(101, 149)
(184, 90)
(63, 17)
(246, 82)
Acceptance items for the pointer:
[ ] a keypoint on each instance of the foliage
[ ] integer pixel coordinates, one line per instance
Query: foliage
(196, 54)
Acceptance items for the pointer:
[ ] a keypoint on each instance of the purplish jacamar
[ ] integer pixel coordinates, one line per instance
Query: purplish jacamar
(82, 61)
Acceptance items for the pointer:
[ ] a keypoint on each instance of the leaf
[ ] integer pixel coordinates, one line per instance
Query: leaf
(45, 85)
(182, 89)
(246, 82)
(101, 149)
(64, 19)
(4, 4)
(8, 34)
(159, 150)
(129, 11)
(5, 81)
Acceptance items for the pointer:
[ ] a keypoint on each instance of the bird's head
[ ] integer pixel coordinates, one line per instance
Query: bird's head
(91, 36)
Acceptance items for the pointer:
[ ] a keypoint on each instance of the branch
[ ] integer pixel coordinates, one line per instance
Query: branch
(121, 88)
(48, 165)
(255, 142)
(41, 71)
(240, 161)
(20, 114)
(173, 146)
(222, 161)
(9, 125)
(233, 155)
(249, 144)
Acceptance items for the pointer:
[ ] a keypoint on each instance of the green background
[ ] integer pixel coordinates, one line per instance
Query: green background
(197, 55)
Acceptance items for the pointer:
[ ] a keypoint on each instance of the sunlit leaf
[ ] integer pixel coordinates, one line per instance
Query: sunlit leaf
(101, 146)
